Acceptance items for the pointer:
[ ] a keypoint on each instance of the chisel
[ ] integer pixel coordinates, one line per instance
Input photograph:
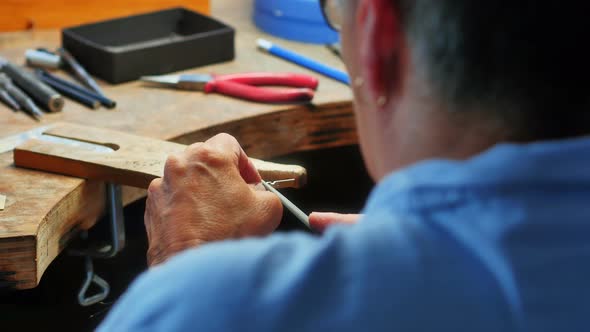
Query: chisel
(21, 98)
(43, 94)
(9, 100)
(78, 70)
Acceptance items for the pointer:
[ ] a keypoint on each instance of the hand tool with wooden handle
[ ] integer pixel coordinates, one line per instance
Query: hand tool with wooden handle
(124, 159)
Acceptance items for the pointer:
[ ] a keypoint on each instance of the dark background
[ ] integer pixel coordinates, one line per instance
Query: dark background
(337, 182)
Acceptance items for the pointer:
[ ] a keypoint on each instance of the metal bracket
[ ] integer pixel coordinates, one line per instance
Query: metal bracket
(117, 243)
(92, 278)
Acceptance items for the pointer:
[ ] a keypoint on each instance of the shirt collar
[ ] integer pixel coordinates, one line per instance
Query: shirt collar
(546, 162)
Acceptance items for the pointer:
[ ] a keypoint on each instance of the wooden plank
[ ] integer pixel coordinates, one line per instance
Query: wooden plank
(45, 210)
(30, 243)
(43, 14)
(135, 161)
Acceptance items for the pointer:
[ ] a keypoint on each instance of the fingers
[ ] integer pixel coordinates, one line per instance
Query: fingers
(175, 168)
(152, 192)
(209, 192)
(222, 151)
(257, 186)
(228, 144)
(322, 220)
(148, 220)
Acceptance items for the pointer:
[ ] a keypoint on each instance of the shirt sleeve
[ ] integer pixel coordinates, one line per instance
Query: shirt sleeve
(350, 279)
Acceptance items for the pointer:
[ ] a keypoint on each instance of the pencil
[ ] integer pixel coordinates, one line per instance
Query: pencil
(303, 61)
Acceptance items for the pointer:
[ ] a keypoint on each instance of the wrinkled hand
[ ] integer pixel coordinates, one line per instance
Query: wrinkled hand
(322, 220)
(208, 193)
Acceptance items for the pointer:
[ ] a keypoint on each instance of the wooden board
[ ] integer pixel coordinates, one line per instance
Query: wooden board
(135, 160)
(43, 211)
(46, 14)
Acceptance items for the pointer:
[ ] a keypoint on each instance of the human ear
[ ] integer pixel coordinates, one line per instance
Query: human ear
(380, 41)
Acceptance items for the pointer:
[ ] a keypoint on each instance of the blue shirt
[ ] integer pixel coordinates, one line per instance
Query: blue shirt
(500, 242)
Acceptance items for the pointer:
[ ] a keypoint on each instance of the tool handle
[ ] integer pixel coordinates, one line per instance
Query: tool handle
(302, 216)
(46, 96)
(280, 79)
(42, 59)
(258, 94)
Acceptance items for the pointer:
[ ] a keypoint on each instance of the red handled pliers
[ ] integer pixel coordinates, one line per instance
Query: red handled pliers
(245, 86)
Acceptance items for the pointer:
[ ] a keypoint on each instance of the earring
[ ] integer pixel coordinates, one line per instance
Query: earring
(381, 101)
(359, 81)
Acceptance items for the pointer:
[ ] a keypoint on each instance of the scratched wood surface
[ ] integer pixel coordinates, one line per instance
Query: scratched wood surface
(16, 15)
(44, 211)
(130, 160)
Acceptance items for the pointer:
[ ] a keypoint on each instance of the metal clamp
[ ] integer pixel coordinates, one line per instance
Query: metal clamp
(117, 243)
(92, 278)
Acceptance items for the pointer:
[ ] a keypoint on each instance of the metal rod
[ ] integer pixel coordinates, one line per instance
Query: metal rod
(108, 103)
(27, 104)
(9, 100)
(289, 205)
(71, 93)
(78, 70)
(43, 94)
(117, 220)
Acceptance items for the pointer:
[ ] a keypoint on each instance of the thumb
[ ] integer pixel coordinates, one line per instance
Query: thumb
(322, 220)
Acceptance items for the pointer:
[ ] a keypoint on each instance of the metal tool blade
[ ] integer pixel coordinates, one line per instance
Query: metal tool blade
(195, 78)
(11, 142)
(193, 82)
(164, 79)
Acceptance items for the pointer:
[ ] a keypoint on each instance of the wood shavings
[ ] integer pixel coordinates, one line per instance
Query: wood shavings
(2, 202)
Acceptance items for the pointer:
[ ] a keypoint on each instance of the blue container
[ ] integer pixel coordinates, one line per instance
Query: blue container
(299, 20)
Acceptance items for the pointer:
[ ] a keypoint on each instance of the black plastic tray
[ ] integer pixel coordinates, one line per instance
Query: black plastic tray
(125, 49)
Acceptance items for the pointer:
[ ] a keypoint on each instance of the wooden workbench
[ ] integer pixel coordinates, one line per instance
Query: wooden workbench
(44, 211)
